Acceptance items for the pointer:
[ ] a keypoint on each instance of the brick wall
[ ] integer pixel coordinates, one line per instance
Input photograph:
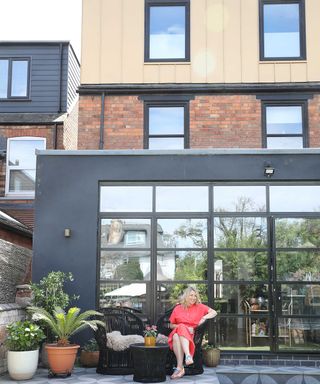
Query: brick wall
(70, 133)
(89, 122)
(314, 122)
(46, 131)
(229, 121)
(216, 121)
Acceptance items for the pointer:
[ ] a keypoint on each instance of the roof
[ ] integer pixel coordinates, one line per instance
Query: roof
(9, 221)
(32, 118)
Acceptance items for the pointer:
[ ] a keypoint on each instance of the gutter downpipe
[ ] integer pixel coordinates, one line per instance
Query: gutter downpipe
(60, 82)
(101, 143)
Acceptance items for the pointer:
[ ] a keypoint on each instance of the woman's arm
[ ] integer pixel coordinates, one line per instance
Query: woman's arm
(211, 314)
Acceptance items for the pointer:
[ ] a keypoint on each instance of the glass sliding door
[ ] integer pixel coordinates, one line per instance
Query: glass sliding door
(253, 252)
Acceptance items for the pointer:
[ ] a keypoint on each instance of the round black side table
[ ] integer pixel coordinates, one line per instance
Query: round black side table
(149, 363)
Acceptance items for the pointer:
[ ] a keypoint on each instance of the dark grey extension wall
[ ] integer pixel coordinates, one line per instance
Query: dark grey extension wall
(67, 195)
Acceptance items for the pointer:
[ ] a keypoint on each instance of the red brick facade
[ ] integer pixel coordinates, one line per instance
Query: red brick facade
(230, 121)
(314, 122)
(43, 131)
(216, 121)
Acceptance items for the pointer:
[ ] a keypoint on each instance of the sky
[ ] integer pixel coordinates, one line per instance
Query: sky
(41, 20)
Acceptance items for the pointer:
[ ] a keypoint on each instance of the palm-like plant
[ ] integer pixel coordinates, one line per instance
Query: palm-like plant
(65, 324)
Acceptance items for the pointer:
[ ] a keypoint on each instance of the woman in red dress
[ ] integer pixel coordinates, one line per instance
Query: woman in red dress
(185, 317)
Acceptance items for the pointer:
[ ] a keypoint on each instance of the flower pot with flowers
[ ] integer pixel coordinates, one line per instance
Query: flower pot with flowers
(150, 335)
(23, 341)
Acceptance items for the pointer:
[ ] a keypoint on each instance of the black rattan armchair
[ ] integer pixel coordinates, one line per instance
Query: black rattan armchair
(128, 323)
(163, 325)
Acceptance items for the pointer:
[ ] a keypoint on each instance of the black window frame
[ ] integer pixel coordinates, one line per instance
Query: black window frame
(161, 3)
(167, 103)
(10, 61)
(286, 103)
(302, 30)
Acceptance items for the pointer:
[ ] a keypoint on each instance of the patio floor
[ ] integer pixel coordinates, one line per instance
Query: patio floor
(219, 375)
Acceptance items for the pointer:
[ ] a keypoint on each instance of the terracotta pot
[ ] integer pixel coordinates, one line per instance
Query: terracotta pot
(211, 357)
(149, 341)
(61, 359)
(89, 358)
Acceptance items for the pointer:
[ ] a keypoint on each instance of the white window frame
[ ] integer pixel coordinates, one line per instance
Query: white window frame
(10, 168)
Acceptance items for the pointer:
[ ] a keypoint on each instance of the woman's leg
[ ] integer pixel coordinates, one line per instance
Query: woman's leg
(185, 345)
(178, 351)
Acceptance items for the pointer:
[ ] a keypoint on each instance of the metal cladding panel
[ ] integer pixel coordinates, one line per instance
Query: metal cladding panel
(45, 77)
(67, 196)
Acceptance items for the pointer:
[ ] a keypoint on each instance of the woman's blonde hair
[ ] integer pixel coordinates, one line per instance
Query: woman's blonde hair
(186, 293)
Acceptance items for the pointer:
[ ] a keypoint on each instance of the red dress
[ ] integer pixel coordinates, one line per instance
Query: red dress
(186, 317)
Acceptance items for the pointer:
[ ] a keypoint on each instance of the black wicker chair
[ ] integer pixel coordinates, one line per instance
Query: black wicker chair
(128, 323)
(163, 325)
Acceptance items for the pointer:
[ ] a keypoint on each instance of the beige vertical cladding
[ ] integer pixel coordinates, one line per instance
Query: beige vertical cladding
(314, 122)
(224, 45)
(123, 122)
(225, 122)
(89, 122)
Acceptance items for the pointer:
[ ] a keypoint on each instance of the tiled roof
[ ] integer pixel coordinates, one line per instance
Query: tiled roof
(32, 118)
(25, 217)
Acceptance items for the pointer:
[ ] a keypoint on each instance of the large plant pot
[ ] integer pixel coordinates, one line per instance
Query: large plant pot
(211, 357)
(22, 365)
(89, 359)
(61, 359)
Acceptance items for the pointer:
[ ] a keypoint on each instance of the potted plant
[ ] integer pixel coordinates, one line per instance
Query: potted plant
(150, 335)
(48, 294)
(89, 356)
(23, 341)
(210, 354)
(62, 355)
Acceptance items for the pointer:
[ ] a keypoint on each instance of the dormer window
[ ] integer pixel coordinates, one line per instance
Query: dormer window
(14, 78)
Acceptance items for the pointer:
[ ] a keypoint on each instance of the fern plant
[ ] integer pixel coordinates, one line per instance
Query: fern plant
(65, 324)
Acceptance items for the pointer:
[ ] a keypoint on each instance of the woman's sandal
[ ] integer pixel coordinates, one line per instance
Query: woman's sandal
(177, 373)
(189, 360)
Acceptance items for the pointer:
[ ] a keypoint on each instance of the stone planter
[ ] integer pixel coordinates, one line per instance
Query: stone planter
(211, 357)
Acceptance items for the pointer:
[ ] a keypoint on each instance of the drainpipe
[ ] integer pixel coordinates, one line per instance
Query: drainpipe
(101, 143)
(60, 71)
(55, 136)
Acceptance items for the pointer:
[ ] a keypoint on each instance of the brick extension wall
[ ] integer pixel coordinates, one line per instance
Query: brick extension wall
(46, 131)
(216, 121)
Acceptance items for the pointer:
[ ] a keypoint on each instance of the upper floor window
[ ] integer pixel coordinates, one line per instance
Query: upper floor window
(14, 78)
(21, 164)
(166, 125)
(167, 29)
(282, 30)
(284, 125)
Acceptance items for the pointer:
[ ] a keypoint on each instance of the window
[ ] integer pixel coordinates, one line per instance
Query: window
(167, 30)
(282, 30)
(284, 126)
(21, 164)
(14, 78)
(166, 125)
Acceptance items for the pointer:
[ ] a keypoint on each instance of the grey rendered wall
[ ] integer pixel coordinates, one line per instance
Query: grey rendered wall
(67, 197)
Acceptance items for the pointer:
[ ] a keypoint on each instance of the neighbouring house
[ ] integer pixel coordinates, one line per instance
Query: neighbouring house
(38, 110)
(198, 163)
